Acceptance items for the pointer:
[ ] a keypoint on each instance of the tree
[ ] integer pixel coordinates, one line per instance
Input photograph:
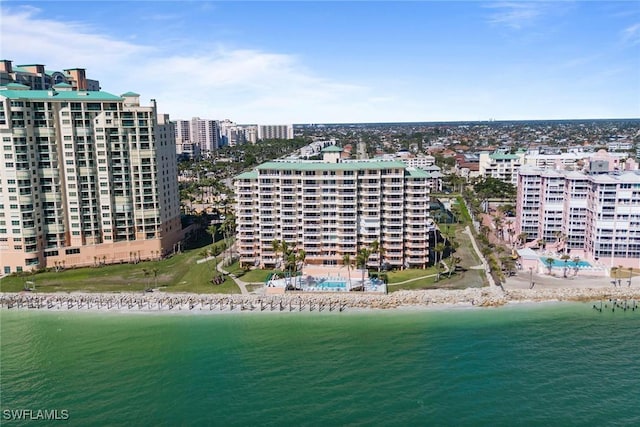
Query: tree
(497, 222)
(560, 237)
(275, 246)
(362, 259)
(154, 271)
(212, 230)
(549, 262)
(619, 275)
(522, 238)
(566, 259)
(439, 250)
(375, 248)
(147, 274)
(300, 258)
(490, 187)
(346, 260)
(576, 261)
(454, 261)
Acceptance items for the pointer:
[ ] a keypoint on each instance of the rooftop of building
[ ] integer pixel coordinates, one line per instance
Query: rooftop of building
(248, 175)
(417, 173)
(332, 149)
(632, 176)
(48, 95)
(319, 165)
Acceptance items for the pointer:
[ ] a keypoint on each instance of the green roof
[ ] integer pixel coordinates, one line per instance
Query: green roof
(417, 173)
(326, 166)
(247, 175)
(17, 86)
(502, 156)
(332, 149)
(130, 94)
(71, 95)
(63, 84)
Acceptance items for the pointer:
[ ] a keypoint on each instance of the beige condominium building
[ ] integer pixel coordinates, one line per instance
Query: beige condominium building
(334, 207)
(86, 177)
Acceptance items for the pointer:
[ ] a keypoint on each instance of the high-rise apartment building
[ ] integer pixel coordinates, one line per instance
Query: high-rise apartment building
(36, 77)
(334, 207)
(275, 132)
(202, 135)
(596, 215)
(86, 177)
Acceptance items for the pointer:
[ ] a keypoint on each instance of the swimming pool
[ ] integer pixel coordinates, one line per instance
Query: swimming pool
(560, 263)
(332, 285)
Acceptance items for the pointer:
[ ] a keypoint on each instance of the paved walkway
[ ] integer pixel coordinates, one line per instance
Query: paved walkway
(484, 264)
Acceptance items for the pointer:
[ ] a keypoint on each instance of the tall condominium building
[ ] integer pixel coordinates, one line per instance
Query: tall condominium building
(201, 133)
(86, 177)
(333, 207)
(596, 214)
(36, 77)
(275, 131)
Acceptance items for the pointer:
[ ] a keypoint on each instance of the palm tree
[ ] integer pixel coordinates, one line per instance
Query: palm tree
(300, 257)
(497, 222)
(155, 270)
(630, 275)
(376, 248)
(549, 262)
(439, 250)
(346, 260)
(522, 238)
(454, 262)
(619, 274)
(275, 246)
(147, 274)
(565, 258)
(212, 230)
(576, 260)
(362, 259)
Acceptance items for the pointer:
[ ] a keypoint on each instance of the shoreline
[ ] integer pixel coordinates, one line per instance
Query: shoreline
(161, 302)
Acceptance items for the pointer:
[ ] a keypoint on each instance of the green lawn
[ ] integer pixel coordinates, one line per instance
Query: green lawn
(426, 283)
(256, 275)
(179, 273)
(251, 276)
(410, 273)
(464, 212)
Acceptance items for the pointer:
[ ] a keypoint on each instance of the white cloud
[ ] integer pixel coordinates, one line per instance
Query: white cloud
(27, 38)
(515, 15)
(631, 34)
(241, 84)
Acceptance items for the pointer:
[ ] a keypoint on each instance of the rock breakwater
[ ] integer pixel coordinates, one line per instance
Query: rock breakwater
(338, 302)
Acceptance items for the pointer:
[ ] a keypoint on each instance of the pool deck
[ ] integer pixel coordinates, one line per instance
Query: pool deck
(313, 276)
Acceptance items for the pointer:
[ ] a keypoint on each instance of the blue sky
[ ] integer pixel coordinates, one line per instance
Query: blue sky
(334, 61)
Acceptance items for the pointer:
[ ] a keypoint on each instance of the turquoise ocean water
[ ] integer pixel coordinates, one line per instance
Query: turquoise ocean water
(549, 364)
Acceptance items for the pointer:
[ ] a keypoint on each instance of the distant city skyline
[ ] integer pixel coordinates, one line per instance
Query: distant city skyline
(345, 62)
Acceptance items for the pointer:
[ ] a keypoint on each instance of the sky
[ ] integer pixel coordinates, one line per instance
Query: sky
(344, 62)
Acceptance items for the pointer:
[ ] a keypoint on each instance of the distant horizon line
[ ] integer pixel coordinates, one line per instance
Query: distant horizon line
(471, 121)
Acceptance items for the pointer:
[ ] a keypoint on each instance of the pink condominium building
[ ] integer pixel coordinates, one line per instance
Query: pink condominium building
(86, 178)
(594, 215)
